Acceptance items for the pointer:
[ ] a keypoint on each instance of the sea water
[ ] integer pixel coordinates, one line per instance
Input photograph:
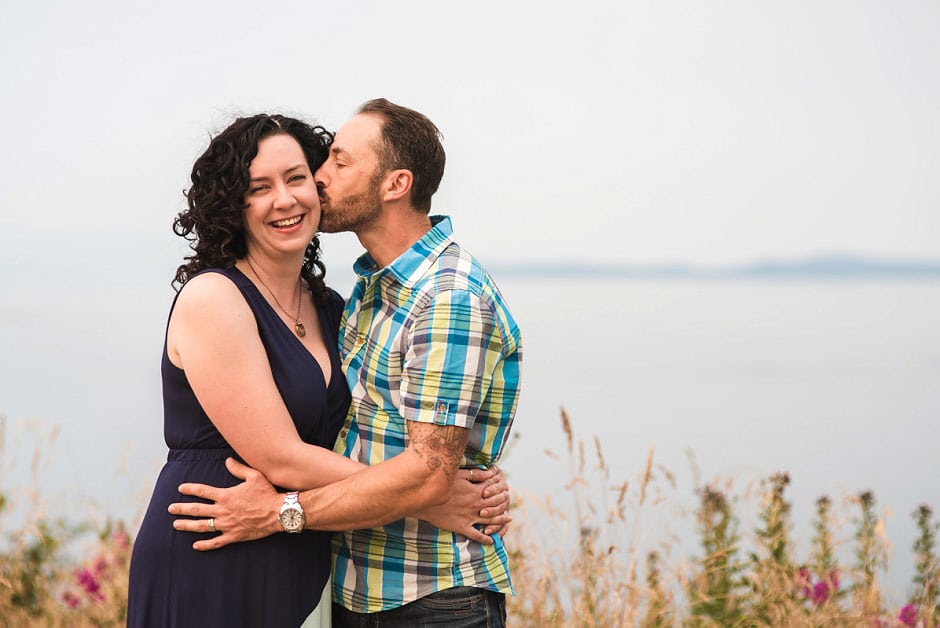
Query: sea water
(835, 382)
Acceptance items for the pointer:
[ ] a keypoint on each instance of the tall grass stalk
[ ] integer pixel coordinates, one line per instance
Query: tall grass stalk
(927, 576)
(716, 589)
(581, 566)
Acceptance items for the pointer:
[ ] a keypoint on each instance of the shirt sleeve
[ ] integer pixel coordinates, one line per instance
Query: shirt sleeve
(454, 349)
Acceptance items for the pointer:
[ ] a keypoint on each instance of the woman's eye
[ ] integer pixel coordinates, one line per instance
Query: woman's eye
(297, 177)
(257, 189)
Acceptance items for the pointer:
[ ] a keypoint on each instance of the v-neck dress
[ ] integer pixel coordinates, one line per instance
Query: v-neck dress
(273, 582)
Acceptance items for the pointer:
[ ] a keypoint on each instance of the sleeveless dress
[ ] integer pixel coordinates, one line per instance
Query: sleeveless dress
(273, 582)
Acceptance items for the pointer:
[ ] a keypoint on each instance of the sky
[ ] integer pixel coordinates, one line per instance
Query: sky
(631, 132)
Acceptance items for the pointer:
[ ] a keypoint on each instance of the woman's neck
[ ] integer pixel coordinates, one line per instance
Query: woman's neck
(277, 275)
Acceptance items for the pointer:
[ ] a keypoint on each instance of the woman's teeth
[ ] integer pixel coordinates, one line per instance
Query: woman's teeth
(287, 222)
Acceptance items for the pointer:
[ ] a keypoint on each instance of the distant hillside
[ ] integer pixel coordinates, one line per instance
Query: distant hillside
(821, 266)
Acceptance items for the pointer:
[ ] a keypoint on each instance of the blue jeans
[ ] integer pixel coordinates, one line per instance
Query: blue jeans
(459, 607)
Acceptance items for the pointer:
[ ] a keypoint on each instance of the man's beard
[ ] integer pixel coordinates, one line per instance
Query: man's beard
(352, 213)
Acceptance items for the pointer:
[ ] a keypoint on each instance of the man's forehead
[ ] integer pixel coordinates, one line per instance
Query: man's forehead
(359, 133)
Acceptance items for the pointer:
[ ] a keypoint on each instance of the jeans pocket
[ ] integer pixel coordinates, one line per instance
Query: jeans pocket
(455, 602)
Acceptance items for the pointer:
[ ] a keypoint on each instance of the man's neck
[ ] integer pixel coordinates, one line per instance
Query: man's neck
(396, 231)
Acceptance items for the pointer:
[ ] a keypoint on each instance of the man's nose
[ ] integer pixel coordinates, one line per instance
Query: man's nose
(321, 178)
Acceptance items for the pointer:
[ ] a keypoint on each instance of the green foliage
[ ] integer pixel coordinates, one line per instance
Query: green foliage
(871, 555)
(822, 556)
(774, 536)
(927, 576)
(773, 577)
(714, 592)
(822, 560)
(29, 569)
(658, 613)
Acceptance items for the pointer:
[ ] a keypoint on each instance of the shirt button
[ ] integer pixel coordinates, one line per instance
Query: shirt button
(343, 432)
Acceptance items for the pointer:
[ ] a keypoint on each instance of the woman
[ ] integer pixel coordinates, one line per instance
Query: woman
(250, 368)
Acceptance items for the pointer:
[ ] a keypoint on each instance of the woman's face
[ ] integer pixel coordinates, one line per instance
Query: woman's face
(283, 210)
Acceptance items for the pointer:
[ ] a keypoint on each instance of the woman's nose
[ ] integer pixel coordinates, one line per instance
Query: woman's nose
(284, 198)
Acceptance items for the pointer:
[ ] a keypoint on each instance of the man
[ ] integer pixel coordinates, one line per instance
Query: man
(432, 356)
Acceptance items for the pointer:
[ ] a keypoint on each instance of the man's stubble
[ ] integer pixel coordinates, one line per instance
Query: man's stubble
(353, 213)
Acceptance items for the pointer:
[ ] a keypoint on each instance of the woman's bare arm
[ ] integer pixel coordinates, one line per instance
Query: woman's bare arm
(213, 337)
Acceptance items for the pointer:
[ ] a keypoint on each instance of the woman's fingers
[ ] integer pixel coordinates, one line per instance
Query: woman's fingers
(475, 535)
(498, 519)
(501, 530)
(495, 504)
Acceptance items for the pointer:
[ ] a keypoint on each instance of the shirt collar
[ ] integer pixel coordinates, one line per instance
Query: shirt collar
(411, 265)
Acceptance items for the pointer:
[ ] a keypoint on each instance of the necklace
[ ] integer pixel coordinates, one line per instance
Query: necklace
(298, 326)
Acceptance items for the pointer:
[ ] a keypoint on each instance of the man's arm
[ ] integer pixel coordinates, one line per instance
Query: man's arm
(419, 477)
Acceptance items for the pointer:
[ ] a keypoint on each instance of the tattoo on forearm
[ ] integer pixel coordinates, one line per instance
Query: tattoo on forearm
(441, 446)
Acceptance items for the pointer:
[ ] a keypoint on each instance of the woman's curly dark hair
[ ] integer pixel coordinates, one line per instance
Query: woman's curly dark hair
(214, 221)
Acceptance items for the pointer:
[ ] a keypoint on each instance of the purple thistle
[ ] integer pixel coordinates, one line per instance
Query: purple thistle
(100, 566)
(820, 592)
(70, 599)
(90, 583)
(834, 579)
(908, 614)
(806, 580)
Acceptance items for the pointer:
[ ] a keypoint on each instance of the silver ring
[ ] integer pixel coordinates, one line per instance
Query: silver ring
(211, 524)
(471, 475)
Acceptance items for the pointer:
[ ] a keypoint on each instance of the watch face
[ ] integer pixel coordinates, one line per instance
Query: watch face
(292, 519)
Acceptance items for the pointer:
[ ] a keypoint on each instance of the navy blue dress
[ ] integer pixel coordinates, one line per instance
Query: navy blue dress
(276, 581)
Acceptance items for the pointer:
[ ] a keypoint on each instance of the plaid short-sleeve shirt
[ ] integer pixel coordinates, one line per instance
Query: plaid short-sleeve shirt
(427, 338)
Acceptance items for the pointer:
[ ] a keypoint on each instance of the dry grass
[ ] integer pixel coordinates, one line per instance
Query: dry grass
(577, 559)
(596, 553)
(41, 584)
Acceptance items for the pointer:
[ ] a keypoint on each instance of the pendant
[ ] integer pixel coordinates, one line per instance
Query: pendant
(300, 329)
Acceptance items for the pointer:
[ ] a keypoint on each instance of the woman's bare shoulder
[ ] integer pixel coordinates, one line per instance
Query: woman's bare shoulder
(207, 289)
(212, 298)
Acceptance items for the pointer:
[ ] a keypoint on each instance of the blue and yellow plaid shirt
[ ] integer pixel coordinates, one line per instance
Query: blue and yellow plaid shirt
(427, 338)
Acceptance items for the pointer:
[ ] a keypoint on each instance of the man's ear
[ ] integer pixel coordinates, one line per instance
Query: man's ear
(397, 185)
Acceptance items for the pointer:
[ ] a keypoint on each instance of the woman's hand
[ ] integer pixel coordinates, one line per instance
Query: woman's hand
(478, 496)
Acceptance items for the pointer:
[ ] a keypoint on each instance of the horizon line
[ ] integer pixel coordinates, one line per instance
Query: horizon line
(819, 265)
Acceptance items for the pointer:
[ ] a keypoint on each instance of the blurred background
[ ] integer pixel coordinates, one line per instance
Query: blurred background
(717, 223)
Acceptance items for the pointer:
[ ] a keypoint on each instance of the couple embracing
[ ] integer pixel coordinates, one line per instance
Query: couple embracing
(330, 462)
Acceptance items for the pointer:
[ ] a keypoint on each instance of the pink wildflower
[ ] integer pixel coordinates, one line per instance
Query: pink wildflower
(90, 583)
(99, 566)
(121, 540)
(820, 592)
(806, 581)
(70, 599)
(834, 579)
(908, 615)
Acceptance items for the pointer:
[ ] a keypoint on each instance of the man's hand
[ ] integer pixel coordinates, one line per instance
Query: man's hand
(244, 512)
(478, 496)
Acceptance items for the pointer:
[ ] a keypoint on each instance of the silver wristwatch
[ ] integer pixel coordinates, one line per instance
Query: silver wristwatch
(291, 514)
